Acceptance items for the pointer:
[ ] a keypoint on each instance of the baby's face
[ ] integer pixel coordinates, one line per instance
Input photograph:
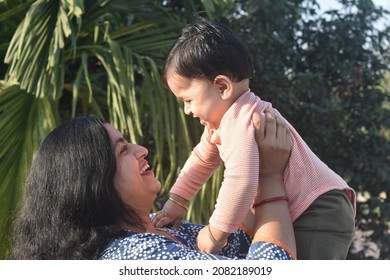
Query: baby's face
(202, 99)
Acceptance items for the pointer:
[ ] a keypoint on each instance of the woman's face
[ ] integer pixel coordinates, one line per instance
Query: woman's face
(133, 180)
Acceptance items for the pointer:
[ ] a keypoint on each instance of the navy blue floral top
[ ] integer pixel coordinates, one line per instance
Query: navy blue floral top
(150, 246)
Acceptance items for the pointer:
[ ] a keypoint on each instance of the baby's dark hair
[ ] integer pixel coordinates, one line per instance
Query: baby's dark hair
(206, 49)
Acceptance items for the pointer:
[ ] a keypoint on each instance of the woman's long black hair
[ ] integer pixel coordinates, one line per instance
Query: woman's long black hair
(70, 208)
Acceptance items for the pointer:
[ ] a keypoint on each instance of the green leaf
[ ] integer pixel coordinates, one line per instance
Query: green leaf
(24, 122)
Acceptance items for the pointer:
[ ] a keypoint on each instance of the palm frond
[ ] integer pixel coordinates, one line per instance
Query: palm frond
(17, 8)
(70, 57)
(36, 51)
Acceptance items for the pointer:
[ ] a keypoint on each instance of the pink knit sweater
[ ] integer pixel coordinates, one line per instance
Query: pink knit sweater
(306, 176)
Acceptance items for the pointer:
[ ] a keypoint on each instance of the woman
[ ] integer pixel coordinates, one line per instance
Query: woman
(89, 194)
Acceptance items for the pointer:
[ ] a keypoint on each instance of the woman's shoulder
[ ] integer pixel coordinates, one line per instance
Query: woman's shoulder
(134, 246)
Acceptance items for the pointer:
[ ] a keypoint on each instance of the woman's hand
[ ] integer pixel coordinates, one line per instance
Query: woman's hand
(274, 141)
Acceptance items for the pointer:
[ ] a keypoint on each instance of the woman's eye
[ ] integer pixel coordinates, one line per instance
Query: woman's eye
(123, 149)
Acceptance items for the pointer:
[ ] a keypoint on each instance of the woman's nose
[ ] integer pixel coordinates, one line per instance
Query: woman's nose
(141, 152)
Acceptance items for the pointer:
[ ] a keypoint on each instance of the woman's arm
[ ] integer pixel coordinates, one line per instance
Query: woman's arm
(272, 218)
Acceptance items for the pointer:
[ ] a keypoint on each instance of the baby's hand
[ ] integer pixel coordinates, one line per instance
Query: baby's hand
(172, 213)
(207, 240)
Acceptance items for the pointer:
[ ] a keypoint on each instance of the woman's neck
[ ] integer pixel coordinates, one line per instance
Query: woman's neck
(148, 227)
(143, 223)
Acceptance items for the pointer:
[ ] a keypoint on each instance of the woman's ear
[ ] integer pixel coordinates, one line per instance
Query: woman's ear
(224, 86)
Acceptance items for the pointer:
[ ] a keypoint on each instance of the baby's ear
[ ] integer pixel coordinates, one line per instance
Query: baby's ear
(224, 85)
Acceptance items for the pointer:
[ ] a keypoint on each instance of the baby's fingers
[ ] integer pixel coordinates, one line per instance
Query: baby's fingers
(159, 219)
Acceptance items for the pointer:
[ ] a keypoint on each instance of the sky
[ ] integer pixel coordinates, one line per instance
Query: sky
(331, 4)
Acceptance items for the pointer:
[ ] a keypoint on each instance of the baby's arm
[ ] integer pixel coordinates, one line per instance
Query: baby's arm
(202, 162)
(241, 157)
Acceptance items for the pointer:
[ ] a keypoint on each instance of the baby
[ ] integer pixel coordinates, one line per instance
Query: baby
(209, 68)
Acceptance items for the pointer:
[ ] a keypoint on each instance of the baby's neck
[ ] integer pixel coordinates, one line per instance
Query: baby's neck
(240, 88)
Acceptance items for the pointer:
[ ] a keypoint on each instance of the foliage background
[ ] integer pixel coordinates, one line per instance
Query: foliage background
(328, 74)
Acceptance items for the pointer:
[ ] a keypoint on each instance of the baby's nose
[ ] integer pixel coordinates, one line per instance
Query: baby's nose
(187, 109)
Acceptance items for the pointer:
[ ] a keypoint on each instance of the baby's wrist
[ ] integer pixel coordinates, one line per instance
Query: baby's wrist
(217, 237)
(179, 201)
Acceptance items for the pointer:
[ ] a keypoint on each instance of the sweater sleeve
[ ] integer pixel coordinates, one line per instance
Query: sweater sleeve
(240, 154)
(200, 165)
